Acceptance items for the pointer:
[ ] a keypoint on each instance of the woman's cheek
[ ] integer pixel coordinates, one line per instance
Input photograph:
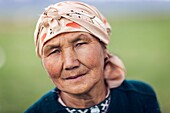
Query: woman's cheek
(90, 56)
(52, 68)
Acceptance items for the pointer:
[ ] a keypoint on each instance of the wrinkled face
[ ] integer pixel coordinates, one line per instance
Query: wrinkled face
(74, 62)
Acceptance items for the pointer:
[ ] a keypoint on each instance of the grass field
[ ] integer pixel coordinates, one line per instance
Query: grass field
(143, 44)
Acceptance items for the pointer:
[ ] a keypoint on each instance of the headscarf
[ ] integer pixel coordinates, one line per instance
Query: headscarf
(71, 16)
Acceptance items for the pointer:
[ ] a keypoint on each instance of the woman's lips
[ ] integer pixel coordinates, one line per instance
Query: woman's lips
(75, 77)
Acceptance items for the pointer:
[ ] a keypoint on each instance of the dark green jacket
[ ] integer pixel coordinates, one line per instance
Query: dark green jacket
(130, 97)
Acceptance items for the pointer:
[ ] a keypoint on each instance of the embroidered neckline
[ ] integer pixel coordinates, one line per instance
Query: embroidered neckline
(100, 108)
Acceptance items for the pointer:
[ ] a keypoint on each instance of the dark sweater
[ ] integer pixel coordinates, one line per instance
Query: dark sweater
(130, 97)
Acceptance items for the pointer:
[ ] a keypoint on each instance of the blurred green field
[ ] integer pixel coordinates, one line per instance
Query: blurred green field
(143, 44)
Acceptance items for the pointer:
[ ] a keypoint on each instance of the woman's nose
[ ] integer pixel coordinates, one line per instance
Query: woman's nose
(70, 60)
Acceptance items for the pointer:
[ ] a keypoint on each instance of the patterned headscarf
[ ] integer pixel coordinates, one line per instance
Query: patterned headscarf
(71, 16)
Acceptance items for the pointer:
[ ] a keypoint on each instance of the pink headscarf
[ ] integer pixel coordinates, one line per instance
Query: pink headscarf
(71, 16)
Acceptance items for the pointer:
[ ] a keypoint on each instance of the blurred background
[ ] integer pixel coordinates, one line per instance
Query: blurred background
(140, 36)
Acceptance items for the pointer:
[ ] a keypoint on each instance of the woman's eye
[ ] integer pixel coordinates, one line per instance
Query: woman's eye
(55, 51)
(79, 44)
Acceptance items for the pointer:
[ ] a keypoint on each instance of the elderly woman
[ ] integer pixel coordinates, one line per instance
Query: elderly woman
(71, 39)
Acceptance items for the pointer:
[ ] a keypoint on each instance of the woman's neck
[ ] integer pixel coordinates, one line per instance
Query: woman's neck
(93, 97)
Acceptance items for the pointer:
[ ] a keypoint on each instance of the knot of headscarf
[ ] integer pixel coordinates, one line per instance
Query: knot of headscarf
(70, 16)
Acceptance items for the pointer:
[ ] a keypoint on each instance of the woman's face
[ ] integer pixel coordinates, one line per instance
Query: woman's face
(74, 62)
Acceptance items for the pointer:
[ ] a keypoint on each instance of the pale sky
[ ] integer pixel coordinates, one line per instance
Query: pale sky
(123, 0)
(95, 0)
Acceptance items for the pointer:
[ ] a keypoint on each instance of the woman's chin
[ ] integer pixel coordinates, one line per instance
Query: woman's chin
(78, 90)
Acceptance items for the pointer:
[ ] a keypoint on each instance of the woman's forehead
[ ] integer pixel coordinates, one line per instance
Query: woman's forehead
(71, 37)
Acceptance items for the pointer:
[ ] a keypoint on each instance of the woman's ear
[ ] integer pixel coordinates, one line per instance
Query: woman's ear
(114, 71)
(106, 57)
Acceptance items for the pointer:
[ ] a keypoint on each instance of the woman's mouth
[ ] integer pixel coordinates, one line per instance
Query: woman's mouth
(75, 76)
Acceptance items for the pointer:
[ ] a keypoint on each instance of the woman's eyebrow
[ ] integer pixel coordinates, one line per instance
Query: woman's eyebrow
(50, 46)
(79, 38)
